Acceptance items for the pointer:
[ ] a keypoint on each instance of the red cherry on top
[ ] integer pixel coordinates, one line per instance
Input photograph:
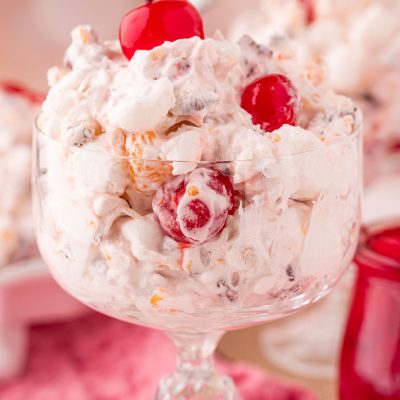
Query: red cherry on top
(271, 101)
(157, 22)
(309, 10)
(16, 89)
(193, 208)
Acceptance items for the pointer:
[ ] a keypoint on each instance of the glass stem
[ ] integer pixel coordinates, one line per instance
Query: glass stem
(195, 353)
(195, 377)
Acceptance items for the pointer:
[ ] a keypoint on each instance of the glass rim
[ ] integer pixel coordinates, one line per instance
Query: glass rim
(356, 134)
(367, 258)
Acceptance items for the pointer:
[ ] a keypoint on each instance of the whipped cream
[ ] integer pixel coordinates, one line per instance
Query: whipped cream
(359, 41)
(16, 226)
(114, 132)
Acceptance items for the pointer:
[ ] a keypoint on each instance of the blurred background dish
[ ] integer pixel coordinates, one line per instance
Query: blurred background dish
(27, 293)
(18, 108)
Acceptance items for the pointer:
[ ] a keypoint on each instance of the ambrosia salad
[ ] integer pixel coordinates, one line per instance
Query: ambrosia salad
(199, 175)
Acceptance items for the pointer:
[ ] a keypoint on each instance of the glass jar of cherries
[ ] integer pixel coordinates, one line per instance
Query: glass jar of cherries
(370, 363)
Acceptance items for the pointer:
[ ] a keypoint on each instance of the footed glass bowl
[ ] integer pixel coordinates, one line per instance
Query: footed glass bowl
(197, 249)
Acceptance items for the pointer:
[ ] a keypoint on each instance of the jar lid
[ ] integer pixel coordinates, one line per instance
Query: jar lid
(379, 250)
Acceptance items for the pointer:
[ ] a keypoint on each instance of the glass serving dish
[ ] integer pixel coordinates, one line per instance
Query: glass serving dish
(246, 255)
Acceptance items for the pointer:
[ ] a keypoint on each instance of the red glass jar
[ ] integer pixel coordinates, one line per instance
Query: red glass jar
(370, 362)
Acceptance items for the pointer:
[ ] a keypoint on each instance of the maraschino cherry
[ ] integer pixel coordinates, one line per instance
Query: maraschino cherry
(157, 22)
(19, 90)
(193, 208)
(309, 11)
(271, 101)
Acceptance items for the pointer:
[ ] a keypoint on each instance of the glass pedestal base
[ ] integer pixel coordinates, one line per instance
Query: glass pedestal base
(195, 377)
(182, 387)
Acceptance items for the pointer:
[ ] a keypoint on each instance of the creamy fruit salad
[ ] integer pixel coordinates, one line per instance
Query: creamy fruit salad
(359, 41)
(181, 177)
(18, 109)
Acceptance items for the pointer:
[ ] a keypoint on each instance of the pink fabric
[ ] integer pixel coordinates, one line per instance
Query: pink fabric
(97, 358)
